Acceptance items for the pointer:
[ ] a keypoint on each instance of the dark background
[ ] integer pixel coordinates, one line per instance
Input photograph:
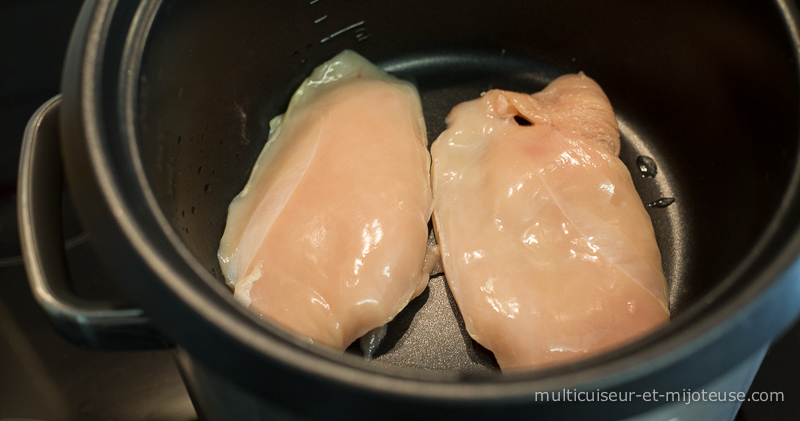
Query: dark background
(42, 376)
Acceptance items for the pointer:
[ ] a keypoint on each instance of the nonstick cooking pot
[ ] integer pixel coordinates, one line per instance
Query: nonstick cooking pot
(166, 106)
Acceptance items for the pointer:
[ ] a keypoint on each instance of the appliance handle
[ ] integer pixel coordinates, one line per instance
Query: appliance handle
(94, 325)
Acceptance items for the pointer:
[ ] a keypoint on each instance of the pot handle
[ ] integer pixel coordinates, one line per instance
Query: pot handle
(94, 325)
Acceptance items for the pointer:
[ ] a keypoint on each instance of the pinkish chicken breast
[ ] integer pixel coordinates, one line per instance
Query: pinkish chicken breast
(546, 245)
(328, 238)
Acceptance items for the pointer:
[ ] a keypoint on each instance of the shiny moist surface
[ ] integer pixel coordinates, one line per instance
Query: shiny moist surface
(546, 245)
(328, 238)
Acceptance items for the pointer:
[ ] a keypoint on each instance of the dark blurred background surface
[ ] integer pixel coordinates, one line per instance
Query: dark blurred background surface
(44, 377)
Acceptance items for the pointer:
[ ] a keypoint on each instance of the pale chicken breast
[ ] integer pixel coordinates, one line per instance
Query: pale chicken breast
(546, 245)
(328, 238)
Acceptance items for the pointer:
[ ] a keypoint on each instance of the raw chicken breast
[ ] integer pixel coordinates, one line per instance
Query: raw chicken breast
(546, 245)
(328, 238)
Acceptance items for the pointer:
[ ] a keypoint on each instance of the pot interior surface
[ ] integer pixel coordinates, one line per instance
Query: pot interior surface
(707, 89)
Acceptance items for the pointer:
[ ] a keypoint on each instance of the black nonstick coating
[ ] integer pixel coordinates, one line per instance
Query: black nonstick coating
(704, 89)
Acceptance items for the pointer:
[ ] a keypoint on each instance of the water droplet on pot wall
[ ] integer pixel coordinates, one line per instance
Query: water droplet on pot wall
(647, 166)
(661, 203)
